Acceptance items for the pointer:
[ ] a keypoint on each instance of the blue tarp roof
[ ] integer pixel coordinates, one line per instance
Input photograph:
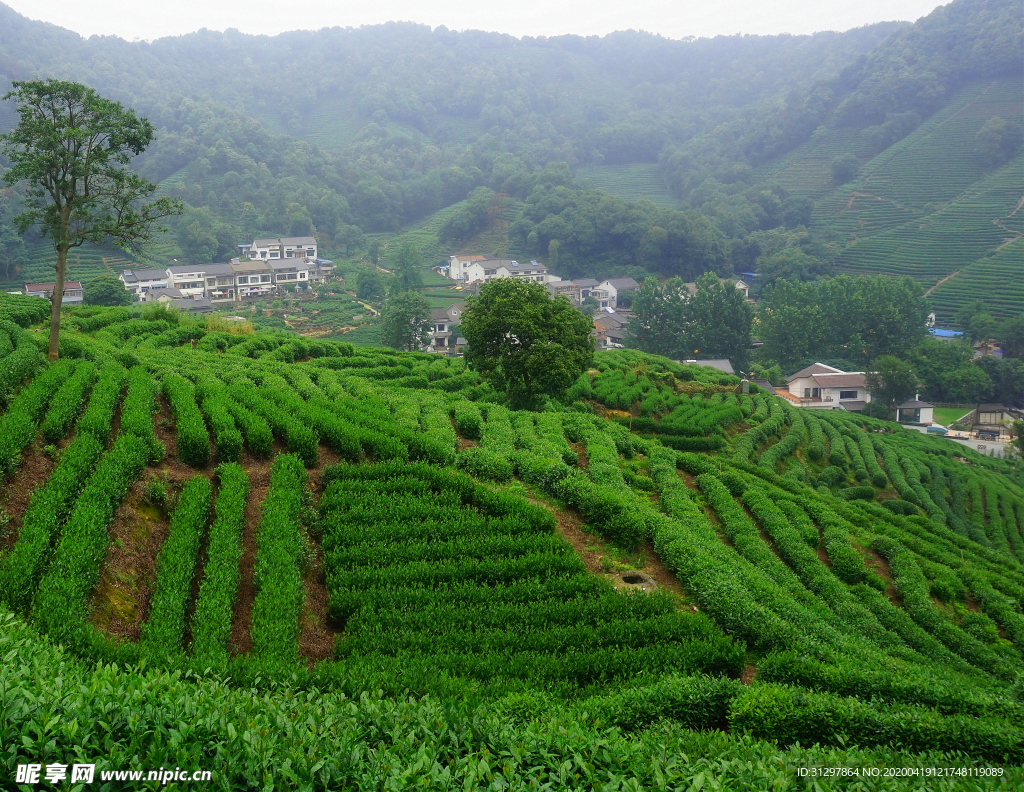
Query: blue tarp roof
(937, 331)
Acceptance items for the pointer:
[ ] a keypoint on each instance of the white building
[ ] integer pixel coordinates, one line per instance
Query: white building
(140, 281)
(294, 271)
(825, 387)
(189, 279)
(611, 288)
(280, 248)
(467, 269)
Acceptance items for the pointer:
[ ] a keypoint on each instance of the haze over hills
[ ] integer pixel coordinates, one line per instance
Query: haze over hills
(353, 132)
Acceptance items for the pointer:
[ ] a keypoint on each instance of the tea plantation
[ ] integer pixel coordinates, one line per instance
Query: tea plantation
(303, 565)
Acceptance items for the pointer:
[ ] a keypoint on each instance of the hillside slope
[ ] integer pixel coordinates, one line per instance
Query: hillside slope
(290, 519)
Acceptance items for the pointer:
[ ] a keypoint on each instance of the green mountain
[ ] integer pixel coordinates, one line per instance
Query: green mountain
(739, 142)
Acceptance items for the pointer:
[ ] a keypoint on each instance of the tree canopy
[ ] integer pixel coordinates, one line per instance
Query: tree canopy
(72, 149)
(853, 318)
(405, 321)
(891, 381)
(106, 290)
(525, 342)
(714, 322)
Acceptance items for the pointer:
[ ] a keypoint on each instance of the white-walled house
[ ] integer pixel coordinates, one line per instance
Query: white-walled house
(189, 279)
(611, 288)
(140, 281)
(73, 293)
(826, 387)
(293, 271)
(467, 269)
(280, 248)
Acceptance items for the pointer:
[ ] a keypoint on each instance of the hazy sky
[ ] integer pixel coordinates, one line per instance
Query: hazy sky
(133, 19)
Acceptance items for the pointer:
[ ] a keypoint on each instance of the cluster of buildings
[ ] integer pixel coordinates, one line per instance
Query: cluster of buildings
(471, 272)
(269, 266)
(474, 271)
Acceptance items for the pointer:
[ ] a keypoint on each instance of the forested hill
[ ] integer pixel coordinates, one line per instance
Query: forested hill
(353, 131)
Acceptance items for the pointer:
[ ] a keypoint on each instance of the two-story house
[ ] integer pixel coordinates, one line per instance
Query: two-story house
(189, 279)
(474, 268)
(290, 271)
(140, 281)
(253, 278)
(280, 248)
(444, 335)
(611, 288)
(220, 283)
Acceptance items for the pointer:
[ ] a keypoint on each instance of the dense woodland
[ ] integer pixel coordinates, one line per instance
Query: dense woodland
(353, 132)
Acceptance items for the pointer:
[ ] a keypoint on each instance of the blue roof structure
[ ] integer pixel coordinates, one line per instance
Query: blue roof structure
(938, 332)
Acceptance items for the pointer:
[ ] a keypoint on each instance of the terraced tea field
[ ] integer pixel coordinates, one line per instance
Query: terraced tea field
(634, 182)
(370, 550)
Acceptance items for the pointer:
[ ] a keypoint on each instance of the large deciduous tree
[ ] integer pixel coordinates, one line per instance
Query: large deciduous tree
(72, 148)
(715, 321)
(891, 381)
(405, 321)
(106, 290)
(524, 341)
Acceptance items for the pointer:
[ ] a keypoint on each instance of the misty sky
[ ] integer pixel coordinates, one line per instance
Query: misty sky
(132, 19)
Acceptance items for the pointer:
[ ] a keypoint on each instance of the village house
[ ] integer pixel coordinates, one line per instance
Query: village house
(740, 284)
(73, 293)
(189, 279)
(467, 269)
(140, 281)
(444, 335)
(826, 387)
(611, 288)
(290, 271)
(280, 248)
(220, 283)
(253, 278)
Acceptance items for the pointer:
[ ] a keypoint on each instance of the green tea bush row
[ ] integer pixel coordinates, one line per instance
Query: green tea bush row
(67, 402)
(911, 585)
(211, 622)
(921, 496)
(812, 572)
(614, 512)
(23, 310)
(299, 437)
(898, 621)
(787, 445)
(816, 446)
(851, 678)
(857, 493)
(164, 629)
(483, 463)
(468, 419)
(138, 408)
(18, 364)
(60, 602)
(193, 439)
(801, 522)
(867, 450)
(101, 319)
(106, 394)
(48, 507)
(847, 563)
(18, 424)
(790, 715)
(744, 535)
(860, 470)
(213, 402)
(277, 577)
